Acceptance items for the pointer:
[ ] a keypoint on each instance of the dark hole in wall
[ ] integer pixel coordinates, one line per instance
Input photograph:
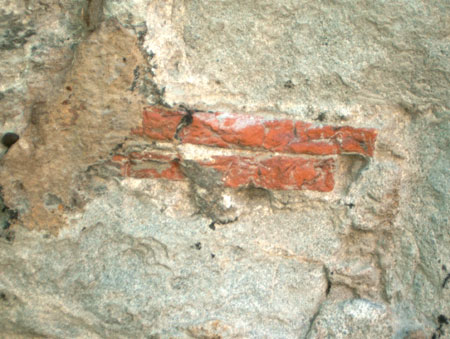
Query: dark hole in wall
(9, 139)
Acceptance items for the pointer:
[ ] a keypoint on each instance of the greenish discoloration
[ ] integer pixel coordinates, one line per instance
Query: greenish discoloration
(13, 32)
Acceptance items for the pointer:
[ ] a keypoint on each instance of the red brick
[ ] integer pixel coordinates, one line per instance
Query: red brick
(254, 133)
(227, 131)
(315, 148)
(283, 135)
(159, 123)
(278, 173)
(150, 165)
(224, 130)
(279, 134)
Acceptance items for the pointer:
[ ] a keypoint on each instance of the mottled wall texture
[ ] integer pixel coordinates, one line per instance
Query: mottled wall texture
(225, 169)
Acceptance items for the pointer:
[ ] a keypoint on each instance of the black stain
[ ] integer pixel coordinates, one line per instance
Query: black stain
(447, 278)
(213, 224)
(136, 74)
(9, 235)
(322, 116)
(289, 84)
(8, 215)
(186, 120)
(327, 291)
(442, 320)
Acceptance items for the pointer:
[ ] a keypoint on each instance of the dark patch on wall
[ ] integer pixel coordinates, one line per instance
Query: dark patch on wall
(442, 321)
(9, 139)
(7, 217)
(93, 15)
(15, 33)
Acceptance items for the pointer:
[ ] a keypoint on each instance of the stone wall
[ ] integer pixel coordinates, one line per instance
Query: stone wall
(224, 169)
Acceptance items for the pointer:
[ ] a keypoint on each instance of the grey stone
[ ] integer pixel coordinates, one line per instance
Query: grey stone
(131, 271)
(355, 318)
(334, 52)
(375, 197)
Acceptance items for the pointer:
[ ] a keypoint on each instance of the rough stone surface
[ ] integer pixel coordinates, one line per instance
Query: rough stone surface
(357, 318)
(96, 242)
